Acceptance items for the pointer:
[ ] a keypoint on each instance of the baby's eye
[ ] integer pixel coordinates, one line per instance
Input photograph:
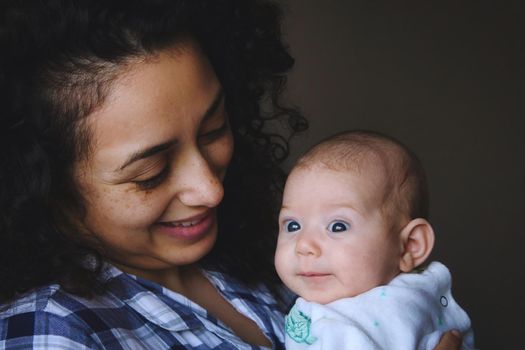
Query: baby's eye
(291, 226)
(338, 226)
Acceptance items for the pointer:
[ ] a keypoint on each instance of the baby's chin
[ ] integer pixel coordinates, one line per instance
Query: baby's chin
(322, 298)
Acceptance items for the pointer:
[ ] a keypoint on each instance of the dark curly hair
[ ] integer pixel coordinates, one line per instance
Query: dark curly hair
(58, 60)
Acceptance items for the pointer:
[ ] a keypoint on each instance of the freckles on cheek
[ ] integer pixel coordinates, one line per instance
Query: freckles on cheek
(125, 209)
(142, 208)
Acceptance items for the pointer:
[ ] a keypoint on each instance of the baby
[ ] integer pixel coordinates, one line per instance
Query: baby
(353, 228)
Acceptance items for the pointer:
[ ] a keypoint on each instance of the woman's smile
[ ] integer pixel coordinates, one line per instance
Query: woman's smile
(189, 229)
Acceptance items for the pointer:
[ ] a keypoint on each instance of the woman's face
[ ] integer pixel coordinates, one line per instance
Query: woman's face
(160, 146)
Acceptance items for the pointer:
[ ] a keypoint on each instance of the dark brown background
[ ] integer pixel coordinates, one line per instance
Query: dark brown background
(446, 78)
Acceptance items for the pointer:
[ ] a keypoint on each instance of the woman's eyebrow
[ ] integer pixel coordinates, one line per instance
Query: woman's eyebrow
(148, 152)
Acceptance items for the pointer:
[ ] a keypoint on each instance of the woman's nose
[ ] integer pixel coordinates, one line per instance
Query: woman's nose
(199, 184)
(307, 245)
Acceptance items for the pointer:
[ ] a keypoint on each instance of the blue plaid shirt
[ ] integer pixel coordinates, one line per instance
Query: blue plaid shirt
(134, 314)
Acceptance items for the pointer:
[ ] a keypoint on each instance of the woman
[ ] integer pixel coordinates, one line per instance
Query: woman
(118, 125)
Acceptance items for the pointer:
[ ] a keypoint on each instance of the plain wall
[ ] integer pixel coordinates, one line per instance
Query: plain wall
(446, 78)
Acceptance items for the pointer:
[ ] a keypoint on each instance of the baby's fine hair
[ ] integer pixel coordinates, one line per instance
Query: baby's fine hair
(406, 191)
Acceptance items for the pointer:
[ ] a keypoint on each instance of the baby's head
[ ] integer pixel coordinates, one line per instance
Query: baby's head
(353, 217)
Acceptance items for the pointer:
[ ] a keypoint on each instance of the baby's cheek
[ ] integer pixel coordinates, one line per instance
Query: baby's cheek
(284, 263)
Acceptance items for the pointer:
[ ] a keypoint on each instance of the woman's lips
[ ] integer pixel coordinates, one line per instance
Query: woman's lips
(189, 229)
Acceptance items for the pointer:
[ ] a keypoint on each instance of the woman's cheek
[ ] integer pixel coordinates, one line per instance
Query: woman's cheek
(220, 153)
(150, 206)
(130, 208)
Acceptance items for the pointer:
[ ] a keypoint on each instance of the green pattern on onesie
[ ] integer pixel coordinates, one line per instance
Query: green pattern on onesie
(297, 326)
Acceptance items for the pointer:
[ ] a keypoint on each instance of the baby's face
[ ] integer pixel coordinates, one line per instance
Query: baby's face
(333, 240)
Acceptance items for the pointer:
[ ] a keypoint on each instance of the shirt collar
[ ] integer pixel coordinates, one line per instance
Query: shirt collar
(165, 308)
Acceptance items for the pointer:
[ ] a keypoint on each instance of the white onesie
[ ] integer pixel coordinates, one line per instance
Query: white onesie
(411, 312)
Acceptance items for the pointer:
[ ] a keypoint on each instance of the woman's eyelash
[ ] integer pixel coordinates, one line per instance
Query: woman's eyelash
(216, 133)
(153, 181)
(157, 179)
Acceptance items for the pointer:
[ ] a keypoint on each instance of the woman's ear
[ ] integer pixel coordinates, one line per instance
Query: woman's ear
(417, 238)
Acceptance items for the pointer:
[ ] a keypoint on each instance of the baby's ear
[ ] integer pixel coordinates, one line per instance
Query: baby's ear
(417, 238)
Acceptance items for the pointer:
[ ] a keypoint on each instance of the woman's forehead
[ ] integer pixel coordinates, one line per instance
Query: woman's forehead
(155, 101)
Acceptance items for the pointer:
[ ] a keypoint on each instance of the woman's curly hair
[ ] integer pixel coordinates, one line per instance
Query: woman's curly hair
(58, 60)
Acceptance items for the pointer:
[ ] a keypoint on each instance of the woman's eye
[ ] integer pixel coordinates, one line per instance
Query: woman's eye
(153, 181)
(214, 134)
(338, 226)
(291, 226)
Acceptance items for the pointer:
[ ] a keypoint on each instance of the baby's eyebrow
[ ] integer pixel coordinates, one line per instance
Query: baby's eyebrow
(346, 205)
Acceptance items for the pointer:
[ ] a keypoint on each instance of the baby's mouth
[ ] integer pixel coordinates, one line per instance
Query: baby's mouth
(313, 274)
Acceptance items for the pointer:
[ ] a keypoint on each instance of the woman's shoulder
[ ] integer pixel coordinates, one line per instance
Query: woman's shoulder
(53, 299)
(41, 318)
(51, 317)
(33, 301)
